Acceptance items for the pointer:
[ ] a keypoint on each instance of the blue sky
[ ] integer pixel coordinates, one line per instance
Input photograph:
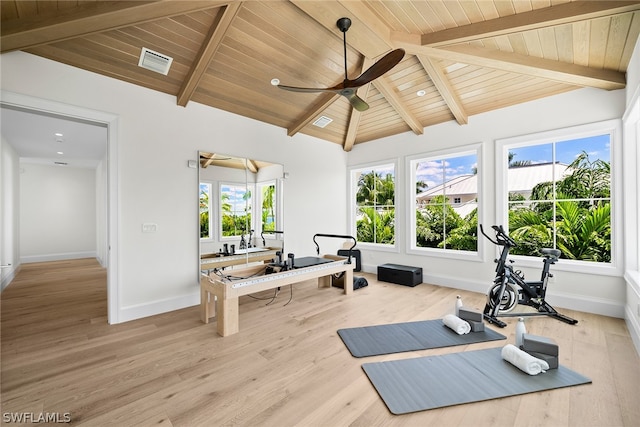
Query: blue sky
(566, 151)
(431, 172)
(235, 196)
(435, 172)
(238, 204)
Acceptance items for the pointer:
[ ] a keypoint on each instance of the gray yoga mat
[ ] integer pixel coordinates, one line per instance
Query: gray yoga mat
(409, 336)
(430, 382)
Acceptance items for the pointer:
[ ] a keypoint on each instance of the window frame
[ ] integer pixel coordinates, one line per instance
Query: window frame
(410, 162)
(352, 207)
(611, 127)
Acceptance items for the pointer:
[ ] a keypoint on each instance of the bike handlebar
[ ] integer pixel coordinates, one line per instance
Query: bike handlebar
(502, 238)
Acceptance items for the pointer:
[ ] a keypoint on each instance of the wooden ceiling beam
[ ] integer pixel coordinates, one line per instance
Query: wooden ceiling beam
(387, 90)
(325, 101)
(448, 93)
(90, 18)
(207, 51)
(562, 72)
(354, 118)
(540, 18)
(363, 36)
(251, 165)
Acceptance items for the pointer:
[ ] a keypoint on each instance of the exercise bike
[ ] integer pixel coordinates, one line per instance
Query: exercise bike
(510, 288)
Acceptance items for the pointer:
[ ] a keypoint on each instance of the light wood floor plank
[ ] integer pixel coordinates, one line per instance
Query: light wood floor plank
(286, 367)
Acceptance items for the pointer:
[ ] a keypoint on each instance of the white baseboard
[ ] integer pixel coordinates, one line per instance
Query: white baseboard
(57, 257)
(139, 311)
(558, 300)
(634, 328)
(632, 312)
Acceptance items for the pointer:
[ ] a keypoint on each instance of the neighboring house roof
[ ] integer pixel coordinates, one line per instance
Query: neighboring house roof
(521, 179)
(463, 184)
(524, 178)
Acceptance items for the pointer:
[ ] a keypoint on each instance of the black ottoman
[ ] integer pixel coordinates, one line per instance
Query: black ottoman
(400, 274)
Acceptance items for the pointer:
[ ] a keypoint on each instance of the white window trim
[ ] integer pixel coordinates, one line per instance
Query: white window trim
(411, 248)
(614, 128)
(353, 189)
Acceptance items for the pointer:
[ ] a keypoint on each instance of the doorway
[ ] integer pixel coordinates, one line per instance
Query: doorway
(107, 247)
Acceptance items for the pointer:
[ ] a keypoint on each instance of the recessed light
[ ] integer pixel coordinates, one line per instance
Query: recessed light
(58, 134)
(60, 152)
(275, 82)
(421, 92)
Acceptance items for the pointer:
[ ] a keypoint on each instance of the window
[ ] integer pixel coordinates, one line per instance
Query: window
(436, 223)
(205, 209)
(558, 193)
(269, 206)
(235, 210)
(374, 204)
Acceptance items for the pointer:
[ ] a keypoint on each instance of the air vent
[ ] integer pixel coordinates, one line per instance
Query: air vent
(322, 121)
(155, 61)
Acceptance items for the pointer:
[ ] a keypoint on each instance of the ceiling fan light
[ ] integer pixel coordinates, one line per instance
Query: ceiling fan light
(275, 82)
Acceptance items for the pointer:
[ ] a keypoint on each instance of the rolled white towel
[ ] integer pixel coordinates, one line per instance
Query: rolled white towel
(523, 360)
(457, 324)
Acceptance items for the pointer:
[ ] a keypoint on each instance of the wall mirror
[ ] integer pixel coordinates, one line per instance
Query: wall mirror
(240, 210)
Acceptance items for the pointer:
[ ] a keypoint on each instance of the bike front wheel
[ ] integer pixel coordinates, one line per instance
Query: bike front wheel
(507, 302)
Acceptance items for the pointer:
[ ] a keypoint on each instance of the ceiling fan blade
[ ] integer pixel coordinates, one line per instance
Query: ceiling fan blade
(357, 102)
(383, 65)
(307, 89)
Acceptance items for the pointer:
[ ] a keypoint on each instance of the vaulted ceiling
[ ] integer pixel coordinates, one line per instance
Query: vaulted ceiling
(462, 58)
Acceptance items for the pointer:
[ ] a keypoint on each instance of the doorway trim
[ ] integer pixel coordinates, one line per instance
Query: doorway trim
(111, 122)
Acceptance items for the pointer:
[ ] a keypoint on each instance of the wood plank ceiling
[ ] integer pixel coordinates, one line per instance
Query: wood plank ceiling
(463, 57)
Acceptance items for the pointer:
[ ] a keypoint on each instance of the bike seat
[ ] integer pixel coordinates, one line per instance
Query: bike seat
(548, 252)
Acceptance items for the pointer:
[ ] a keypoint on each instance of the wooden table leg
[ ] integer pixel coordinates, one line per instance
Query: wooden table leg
(204, 311)
(348, 282)
(324, 282)
(228, 311)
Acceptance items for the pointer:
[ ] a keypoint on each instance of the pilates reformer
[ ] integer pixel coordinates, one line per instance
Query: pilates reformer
(509, 287)
(220, 293)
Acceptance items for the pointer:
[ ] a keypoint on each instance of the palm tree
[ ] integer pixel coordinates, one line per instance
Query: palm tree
(268, 196)
(375, 190)
(434, 223)
(580, 217)
(517, 163)
(376, 227)
(204, 214)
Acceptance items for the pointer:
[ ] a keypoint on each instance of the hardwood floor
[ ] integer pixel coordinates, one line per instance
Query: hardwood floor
(286, 367)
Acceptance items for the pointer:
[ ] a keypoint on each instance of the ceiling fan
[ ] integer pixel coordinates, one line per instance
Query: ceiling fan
(348, 87)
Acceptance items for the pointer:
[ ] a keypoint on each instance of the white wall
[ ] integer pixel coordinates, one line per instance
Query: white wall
(631, 121)
(600, 294)
(159, 271)
(9, 208)
(57, 213)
